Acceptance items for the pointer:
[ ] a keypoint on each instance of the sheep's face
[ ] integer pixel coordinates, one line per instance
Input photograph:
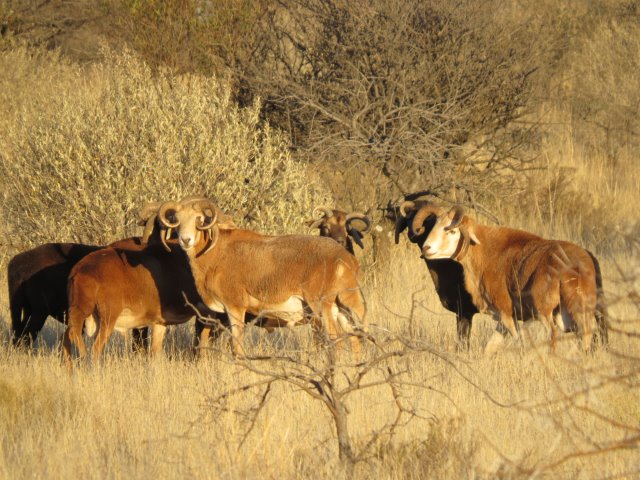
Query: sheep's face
(193, 220)
(340, 226)
(335, 227)
(443, 240)
(188, 233)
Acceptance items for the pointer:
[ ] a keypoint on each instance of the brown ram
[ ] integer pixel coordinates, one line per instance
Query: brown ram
(345, 228)
(282, 280)
(514, 274)
(37, 280)
(117, 288)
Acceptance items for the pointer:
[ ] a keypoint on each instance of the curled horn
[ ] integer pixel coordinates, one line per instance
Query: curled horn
(207, 205)
(210, 228)
(401, 218)
(148, 228)
(147, 216)
(326, 211)
(356, 235)
(401, 225)
(418, 220)
(458, 213)
(359, 216)
(162, 216)
(147, 211)
(314, 223)
(406, 207)
(213, 233)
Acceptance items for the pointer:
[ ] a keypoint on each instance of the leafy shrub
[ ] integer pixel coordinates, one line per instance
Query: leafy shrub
(84, 147)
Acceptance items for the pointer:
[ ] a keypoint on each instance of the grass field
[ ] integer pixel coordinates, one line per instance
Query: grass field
(523, 413)
(84, 145)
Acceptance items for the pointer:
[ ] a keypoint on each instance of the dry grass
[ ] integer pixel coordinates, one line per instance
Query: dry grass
(102, 139)
(510, 416)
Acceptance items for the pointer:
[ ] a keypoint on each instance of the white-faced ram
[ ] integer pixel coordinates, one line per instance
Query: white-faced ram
(418, 219)
(513, 274)
(284, 280)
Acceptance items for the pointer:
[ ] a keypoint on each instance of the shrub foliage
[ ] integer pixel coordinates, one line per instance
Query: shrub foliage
(88, 146)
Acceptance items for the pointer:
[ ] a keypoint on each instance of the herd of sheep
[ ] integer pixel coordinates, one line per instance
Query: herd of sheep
(193, 260)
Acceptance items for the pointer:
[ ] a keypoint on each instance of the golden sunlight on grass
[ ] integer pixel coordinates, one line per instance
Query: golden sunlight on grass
(84, 145)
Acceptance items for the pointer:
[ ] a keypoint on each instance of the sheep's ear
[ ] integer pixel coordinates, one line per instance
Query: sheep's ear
(467, 230)
(473, 237)
(401, 226)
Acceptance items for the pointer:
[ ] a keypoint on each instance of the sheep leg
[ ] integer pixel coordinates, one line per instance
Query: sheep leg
(463, 330)
(73, 336)
(106, 324)
(548, 321)
(330, 324)
(505, 324)
(205, 332)
(236, 320)
(353, 302)
(157, 338)
(356, 341)
(33, 322)
(201, 339)
(585, 328)
(494, 343)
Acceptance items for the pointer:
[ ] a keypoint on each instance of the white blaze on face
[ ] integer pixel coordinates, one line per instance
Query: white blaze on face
(441, 243)
(188, 234)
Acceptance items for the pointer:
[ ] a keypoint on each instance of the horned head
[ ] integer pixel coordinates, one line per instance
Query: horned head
(451, 236)
(340, 225)
(192, 216)
(414, 214)
(320, 214)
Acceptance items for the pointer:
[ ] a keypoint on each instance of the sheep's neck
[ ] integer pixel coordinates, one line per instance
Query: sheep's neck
(199, 269)
(472, 277)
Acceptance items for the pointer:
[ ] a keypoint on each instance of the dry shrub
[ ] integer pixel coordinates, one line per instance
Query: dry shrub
(398, 87)
(83, 148)
(585, 188)
(444, 452)
(186, 35)
(76, 27)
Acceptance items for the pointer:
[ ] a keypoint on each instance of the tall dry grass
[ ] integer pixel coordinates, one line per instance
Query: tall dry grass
(81, 147)
(585, 188)
(522, 414)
